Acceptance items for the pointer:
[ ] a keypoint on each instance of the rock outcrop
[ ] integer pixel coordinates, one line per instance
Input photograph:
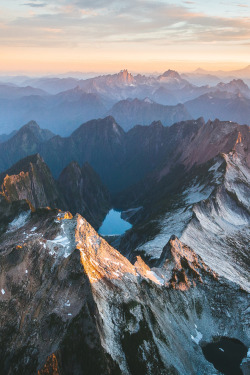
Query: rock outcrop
(79, 190)
(32, 180)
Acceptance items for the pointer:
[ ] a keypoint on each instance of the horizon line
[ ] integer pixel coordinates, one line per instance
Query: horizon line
(238, 66)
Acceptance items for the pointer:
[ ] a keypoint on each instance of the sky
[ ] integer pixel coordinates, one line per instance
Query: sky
(140, 35)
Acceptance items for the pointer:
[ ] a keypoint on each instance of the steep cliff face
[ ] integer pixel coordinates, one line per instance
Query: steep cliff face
(85, 193)
(46, 296)
(219, 230)
(31, 179)
(71, 304)
(79, 190)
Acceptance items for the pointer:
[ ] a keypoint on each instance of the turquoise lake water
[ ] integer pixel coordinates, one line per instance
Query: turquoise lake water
(113, 224)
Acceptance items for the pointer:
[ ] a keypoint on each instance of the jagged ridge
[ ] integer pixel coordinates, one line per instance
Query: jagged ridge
(87, 308)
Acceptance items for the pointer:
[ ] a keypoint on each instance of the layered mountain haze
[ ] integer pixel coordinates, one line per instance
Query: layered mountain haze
(5, 137)
(213, 77)
(236, 86)
(221, 104)
(62, 104)
(118, 157)
(144, 112)
(52, 85)
(61, 113)
(238, 73)
(15, 92)
(24, 142)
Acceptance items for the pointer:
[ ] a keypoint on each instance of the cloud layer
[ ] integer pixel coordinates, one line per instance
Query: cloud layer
(152, 24)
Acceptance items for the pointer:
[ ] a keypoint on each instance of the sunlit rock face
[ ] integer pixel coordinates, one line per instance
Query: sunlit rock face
(70, 303)
(31, 179)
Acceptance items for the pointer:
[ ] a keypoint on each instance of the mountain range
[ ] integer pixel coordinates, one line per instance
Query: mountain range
(239, 73)
(120, 158)
(168, 296)
(221, 104)
(162, 170)
(130, 99)
(134, 112)
(202, 76)
(71, 303)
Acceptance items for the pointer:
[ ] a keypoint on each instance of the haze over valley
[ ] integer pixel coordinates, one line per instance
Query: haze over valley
(62, 104)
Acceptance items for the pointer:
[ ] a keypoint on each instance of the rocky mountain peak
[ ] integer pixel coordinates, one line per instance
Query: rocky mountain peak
(156, 124)
(31, 125)
(239, 83)
(23, 165)
(31, 179)
(170, 74)
(125, 77)
(70, 171)
(84, 192)
(241, 145)
(148, 100)
(108, 124)
(99, 259)
(181, 266)
(236, 86)
(31, 133)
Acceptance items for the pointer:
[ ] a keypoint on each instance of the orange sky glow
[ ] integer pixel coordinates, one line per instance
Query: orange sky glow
(141, 35)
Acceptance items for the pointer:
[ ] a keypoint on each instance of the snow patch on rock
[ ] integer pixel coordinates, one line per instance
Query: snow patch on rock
(18, 222)
(154, 277)
(171, 223)
(220, 229)
(198, 337)
(175, 221)
(64, 243)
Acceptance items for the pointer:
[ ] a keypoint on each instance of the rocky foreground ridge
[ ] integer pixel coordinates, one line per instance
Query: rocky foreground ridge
(72, 304)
